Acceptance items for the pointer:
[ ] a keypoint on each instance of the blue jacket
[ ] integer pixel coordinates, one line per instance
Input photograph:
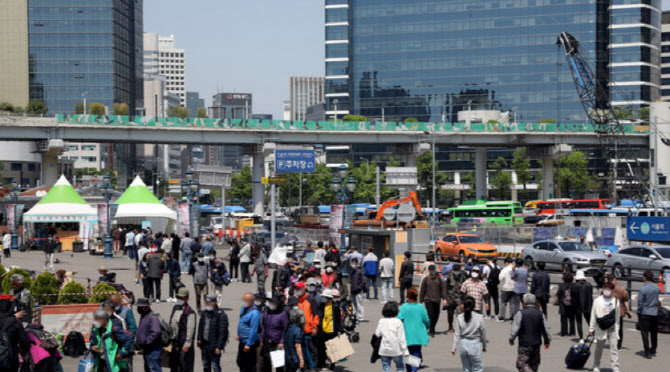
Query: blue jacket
(126, 314)
(119, 335)
(174, 269)
(247, 329)
(647, 299)
(149, 335)
(293, 335)
(206, 247)
(520, 275)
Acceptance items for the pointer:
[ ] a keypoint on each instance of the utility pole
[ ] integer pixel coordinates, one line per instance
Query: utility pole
(432, 225)
(377, 188)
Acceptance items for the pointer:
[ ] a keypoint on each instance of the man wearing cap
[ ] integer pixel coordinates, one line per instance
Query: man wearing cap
(476, 289)
(310, 308)
(183, 322)
(274, 322)
(330, 325)
(247, 334)
(313, 289)
(212, 334)
(260, 268)
(110, 344)
(259, 301)
(200, 272)
(105, 276)
(432, 293)
(149, 336)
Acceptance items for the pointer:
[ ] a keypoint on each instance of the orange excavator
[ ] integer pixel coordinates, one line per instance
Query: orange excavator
(377, 218)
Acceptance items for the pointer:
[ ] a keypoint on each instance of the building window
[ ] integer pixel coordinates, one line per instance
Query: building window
(16, 167)
(32, 167)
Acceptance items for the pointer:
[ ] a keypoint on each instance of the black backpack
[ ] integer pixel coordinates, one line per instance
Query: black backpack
(494, 276)
(74, 345)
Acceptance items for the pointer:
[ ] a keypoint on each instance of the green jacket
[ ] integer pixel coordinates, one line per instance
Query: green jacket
(111, 341)
(415, 320)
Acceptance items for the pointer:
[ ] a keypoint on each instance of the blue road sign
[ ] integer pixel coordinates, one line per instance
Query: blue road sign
(295, 161)
(648, 229)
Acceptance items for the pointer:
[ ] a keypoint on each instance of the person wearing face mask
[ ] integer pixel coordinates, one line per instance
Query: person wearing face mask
(604, 326)
(357, 289)
(116, 320)
(259, 301)
(328, 275)
(313, 289)
(310, 308)
(371, 271)
(532, 329)
(247, 334)
(110, 344)
(274, 321)
(330, 326)
(260, 268)
(218, 275)
(183, 322)
(200, 273)
(149, 336)
(156, 266)
(476, 289)
(125, 313)
(308, 253)
(212, 334)
(281, 277)
(432, 292)
(339, 285)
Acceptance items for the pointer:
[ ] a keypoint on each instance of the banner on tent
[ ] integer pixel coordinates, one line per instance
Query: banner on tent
(10, 215)
(184, 217)
(104, 218)
(336, 215)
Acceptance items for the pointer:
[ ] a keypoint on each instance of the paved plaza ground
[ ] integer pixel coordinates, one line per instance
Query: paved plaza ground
(500, 356)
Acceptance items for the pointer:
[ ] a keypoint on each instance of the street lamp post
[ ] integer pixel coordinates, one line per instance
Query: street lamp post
(107, 188)
(433, 201)
(14, 193)
(190, 188)
(341, 184)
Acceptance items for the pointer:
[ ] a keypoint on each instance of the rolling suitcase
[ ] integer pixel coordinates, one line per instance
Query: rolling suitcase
(578, 355)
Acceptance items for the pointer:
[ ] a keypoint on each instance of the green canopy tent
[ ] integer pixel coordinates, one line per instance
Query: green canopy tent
(138, 204)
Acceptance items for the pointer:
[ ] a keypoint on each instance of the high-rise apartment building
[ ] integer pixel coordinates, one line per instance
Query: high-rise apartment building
(427, 59)
(161, 57)
(305, 92)
(665, 57)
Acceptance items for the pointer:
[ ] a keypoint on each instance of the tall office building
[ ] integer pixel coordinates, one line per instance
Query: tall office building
(665, 57)
(427, 59)
(229, 106)
(305, 92)
(193, 103)
(161, 57)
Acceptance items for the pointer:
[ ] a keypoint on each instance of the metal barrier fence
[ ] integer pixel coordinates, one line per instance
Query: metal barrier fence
(313, 235)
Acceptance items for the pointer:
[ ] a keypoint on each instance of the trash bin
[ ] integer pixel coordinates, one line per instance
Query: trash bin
(78, 246)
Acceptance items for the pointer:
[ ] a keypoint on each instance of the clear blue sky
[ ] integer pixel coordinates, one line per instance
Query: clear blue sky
(250, 46)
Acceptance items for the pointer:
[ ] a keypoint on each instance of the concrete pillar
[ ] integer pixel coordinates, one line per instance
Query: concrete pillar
(515, 194)
(411, 152)
(49, 168)
(257, 188)
(548, 178)
(480, 173)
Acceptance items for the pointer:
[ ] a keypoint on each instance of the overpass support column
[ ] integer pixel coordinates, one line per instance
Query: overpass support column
(480, 173)
(548, 178)
(411, 152)
(49, 150)
(260, 154)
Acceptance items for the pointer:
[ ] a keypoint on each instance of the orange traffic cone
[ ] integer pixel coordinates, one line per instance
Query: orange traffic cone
(660, 283)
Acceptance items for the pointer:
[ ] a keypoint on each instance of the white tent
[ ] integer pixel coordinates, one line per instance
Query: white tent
(61, 204)
(138, 204)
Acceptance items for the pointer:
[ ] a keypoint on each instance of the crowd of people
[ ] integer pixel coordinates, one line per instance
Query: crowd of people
(319, 294)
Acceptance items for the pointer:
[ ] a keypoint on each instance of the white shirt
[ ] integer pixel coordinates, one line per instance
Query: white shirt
(386, 267)
(7, 241)
(142, 252)
(601, 307)
(167, 245)
(392, 332)
(506, 280)
(485, 274)
(320, 255)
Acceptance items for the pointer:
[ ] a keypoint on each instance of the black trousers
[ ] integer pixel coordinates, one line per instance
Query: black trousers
(578, 321)
(494, 296)
(322, 338)
(234, 268)
(542, 301)
(173, 286)
(266, 361)
(404, 286)
(620, 343)
(433, 309)
(246, 361)
(154, 285)
(568, 320)
(451, 310)
(649, 331)
(246, 277)
(181, 361)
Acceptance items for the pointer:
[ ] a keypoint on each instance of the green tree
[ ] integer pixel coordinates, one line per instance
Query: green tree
(177, 112)
(424, 172)
(78, 108)
(101, 288)
(411, 120)
(45, 283)
(470, 179)
(241, 186)
(72, 287)
(120, 109)
(547, 121)
(574, 177)
(36, 107)
(493, 121)
(520, 164)
(643, 113)
(7, 281)
(354, 118)
(366, 184)
(202, 113)
(293, 181)
(96, 108)
(317, 190)
(6, 106)
(502, 180)
(622, 112)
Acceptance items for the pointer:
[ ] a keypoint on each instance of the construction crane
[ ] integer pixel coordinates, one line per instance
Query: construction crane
(593, 90)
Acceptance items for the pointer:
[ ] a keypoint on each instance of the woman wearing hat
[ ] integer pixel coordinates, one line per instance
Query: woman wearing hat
(274, 321)
(330, 325)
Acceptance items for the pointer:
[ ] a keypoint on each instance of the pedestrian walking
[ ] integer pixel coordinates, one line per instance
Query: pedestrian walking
(234, 260)
(116, 240)
(647, 314)
(470, 334)
(149, 336)
(110, 344)
(7, 244)
(370, 270)
(200, 273)
(567, 305)
(155, 269)
(207, 246)
(506, 290)
(247, 334)
(453, 281)
(130, 245)
(218, 275)
(431, 294)
(386, 270)
(540, 285)
(174, 271)
(621, 294)
(330, 326)
(357, 287)
(583, 292)
(260, 268)
(294, 338)
(530, 325)
(176, 244)
(15, 333)
(212, 334)
(186, 252)
(406, 275)
(520, 277)
(391, 331)
(49, 249)
(245, 261)
(184, 324)
(476, 289)
(274, 321)
(604, 326)
(416, 324)
(491, 274)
